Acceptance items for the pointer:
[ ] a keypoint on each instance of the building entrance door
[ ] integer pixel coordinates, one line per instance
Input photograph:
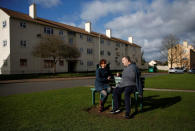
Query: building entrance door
(71, 66)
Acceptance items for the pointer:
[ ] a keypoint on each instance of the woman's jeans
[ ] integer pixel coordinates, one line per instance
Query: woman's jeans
(104, 94)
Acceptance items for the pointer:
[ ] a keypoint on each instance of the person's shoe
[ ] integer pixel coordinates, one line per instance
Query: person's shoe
(127, 117)
(115, 111)
(101, 108)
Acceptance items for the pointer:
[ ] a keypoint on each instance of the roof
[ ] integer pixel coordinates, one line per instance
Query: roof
(22, 16)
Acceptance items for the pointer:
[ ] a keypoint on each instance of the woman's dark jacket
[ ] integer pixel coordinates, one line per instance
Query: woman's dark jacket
(102, 81)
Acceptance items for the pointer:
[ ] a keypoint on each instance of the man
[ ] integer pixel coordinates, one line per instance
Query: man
(127, 84)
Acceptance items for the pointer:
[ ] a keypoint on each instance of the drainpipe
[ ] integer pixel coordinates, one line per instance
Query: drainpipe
(99, 49)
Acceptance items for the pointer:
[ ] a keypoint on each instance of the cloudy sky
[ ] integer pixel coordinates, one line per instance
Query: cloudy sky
(148, 21)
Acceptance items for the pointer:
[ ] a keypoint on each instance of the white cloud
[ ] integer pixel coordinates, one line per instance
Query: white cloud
(150, 24)
(46, 3)
(68, 23)
(69, 19)
(94, 10)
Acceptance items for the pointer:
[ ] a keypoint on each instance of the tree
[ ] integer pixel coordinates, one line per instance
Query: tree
(193, 44)
(167, 50)
(179, 55)
(143, 61)
(54, 48)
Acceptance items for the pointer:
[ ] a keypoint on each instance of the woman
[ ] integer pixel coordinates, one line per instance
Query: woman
(101, 82)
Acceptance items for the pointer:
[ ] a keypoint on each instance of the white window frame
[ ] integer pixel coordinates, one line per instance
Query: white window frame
(81, 49)
(102, 52)
(23, 62)
(4, 23)
(89, 63)
(81, 62)
(70, 40)
(48, 30)
(81, 36)
(61, 33)
(89, 51)
(89, 38)
(22, 24)
(23, 43)
(4, 43)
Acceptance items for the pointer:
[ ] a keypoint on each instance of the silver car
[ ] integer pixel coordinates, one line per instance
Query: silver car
(176, 70)
(191, 71)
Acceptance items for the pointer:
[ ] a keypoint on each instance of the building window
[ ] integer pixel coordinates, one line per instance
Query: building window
(89, 51)
(71, 40)
(108, 42)
(61, 32)
(81, 49)
(23, 62)
(81, 36)
(23, 24)
(4, 24)
(48, 63)
(23, 43)
(102, 52)
(81, 62)
(89, 63)
(118, 44)
(109, 54)
(89, 39)
(61, 63)
(48, 30)
(4, 43)
(72, 33)
(117, 53)
(5, 63)
(102, 41)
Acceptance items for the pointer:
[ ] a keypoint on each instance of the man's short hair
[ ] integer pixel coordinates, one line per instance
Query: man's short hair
(128, 58)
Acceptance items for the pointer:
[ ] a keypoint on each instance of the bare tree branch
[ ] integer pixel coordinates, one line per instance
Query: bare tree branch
(166, 48)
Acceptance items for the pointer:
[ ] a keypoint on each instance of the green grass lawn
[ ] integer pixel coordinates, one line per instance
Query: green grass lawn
(66, 109)
(172, 81)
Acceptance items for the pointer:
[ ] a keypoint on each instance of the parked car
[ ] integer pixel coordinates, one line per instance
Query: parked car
(176, 70)
(191, 71)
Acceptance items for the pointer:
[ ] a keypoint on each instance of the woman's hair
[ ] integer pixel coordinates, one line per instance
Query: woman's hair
(128, 58)
(102, 61)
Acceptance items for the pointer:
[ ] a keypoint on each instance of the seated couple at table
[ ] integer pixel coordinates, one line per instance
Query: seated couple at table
(126, 85)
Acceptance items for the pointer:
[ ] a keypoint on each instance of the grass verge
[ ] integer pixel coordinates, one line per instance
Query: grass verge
(172, 81)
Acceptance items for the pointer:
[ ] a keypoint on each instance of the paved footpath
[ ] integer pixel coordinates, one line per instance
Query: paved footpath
(11, 87)
(173, 90)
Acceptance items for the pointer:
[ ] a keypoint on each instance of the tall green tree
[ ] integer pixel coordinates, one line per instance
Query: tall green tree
(54, 48)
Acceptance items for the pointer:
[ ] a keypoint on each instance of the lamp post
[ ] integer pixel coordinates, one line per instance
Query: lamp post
(99, 48)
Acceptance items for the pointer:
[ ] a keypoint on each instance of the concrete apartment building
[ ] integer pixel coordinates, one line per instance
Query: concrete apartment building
(21, 32)
(183, 55)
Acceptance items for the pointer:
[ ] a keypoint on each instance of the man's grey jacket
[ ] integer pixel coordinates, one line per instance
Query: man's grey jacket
(128, 76)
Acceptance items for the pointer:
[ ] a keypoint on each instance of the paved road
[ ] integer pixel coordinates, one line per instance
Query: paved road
(37, 85)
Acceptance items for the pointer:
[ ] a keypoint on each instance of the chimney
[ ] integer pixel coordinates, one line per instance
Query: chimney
(185, 43)
(32, 11)
(88, 27)
(130, 39)
(108, 33)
